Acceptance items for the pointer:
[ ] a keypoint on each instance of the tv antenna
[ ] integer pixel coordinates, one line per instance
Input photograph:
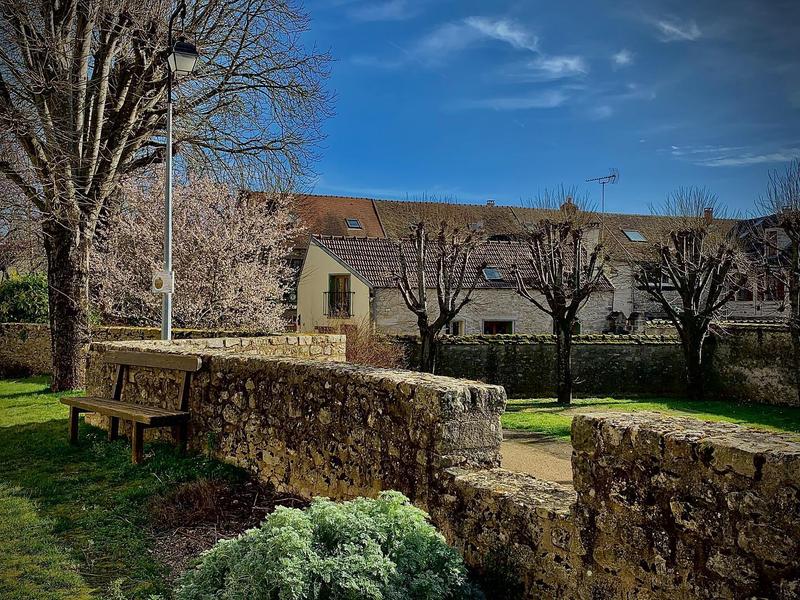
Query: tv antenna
(612, 178)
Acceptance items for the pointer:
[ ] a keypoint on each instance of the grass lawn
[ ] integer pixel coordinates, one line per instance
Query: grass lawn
(74, 519)
(547, 416)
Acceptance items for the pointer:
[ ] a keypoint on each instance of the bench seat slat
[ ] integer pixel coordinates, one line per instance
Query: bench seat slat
(148, 415)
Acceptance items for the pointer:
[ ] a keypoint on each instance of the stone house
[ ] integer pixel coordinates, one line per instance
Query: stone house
(629, 240)
(350, 281)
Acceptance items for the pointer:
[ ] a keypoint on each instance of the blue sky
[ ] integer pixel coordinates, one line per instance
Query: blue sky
(480, 100)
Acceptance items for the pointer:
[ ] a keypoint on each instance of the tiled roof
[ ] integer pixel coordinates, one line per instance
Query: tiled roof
(327, 215)
(653, 228)
(398, 216)
(377, 260)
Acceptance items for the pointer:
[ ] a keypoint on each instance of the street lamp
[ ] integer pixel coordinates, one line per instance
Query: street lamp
(182, 60)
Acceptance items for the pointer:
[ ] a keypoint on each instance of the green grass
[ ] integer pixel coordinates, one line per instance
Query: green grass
(546, 416)
(32, 563)
(75, 518)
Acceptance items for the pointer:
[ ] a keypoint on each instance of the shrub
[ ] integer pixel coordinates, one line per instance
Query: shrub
(23, 299)
(367, 347)
(382, 549)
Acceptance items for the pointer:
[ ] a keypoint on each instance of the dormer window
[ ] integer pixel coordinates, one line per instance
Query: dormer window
(477, 226)
(634, 236)
(492, 274)
(353, 223)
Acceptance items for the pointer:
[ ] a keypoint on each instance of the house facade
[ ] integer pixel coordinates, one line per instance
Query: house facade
(628, 240)
(350, 281)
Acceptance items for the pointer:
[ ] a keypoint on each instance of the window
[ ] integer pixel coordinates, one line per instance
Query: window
(353, 223)
(492, 274)
(774, 290)
(477, 226)
(634, 236)
(455, 328)
(337, 300)
(498, 327)
(772, 242)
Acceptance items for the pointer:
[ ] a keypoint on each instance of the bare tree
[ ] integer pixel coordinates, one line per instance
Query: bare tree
(564, 269)
(781, 201)
(439, 255)
(230, 257)
(82, 96)
(694, 273)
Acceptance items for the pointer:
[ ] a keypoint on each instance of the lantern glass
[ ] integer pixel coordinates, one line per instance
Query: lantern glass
(183, 58)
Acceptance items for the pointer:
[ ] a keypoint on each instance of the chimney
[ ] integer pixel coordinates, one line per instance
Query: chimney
(708, 215)
(490, 202)
(568, 206)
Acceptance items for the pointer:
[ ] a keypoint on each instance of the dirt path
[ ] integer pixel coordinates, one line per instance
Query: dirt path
(538, 455)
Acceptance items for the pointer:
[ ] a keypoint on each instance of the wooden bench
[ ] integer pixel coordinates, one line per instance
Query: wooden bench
(141, 417)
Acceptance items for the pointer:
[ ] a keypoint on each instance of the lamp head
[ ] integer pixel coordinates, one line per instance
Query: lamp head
(183, 58)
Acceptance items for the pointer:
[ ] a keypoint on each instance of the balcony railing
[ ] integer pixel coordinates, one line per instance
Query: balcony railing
(338, 305)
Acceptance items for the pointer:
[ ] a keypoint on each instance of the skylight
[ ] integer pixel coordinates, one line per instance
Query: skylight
(353, 224)
(492, 274)
(634, 236)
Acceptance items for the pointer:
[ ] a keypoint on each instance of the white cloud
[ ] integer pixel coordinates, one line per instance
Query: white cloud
(445, 40)
(504, 30)
(538, 100)
(600, 112)
(456, 36)
(674, 30)
(747, 159)
(623, 58)
(733, 156)
(390, 10)
(556, 67)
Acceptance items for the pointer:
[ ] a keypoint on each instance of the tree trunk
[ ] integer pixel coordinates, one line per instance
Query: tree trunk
(692, 340)
(427, 356)
(794, 308)
(564, 361)
(68, 294)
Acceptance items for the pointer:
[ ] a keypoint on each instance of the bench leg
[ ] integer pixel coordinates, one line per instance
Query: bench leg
(137, 443)
(73, 425)
(179, 435)
(113, 429)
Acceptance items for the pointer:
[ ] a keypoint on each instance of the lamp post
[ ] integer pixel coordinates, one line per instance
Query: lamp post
(181, 61)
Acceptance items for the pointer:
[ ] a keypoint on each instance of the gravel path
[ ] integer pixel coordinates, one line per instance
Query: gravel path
(538, 455)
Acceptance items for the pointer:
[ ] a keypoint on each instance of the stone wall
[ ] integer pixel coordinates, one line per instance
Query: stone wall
(25, 347)
(748, 364)
(316, 428)
(662, 507)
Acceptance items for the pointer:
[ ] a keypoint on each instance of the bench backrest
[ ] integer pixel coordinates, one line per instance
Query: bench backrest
(155, 360)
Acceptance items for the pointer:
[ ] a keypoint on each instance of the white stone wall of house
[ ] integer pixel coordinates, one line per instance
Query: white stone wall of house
(499, 305)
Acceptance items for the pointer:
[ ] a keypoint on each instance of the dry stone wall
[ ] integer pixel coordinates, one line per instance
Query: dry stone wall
(316, 428)
(25, 347)
(748, 364)
(662, 507)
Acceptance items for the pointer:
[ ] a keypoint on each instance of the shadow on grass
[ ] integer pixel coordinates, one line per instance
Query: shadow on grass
(96, 500)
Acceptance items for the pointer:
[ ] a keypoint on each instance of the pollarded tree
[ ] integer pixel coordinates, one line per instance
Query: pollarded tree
(230, 257)
(781, 202)
(695, 271)
(565, 267)
(440, 255)
(82, 97)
